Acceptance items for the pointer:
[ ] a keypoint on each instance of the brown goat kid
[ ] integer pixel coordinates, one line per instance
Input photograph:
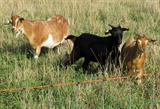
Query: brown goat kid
(39, 33)
(133, 55)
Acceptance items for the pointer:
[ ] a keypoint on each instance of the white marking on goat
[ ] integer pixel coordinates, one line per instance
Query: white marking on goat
(16, 21)
(14, 27)
(50, 43)
(65, 36)
(146, 42)
(36, 57)
(139, 41)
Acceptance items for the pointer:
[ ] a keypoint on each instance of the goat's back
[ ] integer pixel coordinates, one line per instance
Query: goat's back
(57, 27)
(87, 40)
(92, 46)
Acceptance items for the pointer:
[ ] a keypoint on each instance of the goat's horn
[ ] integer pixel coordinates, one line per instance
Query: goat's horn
(152, 40)
(23, 11)
(144, 35)
(138, 35)
(111, 25)
(12, 13)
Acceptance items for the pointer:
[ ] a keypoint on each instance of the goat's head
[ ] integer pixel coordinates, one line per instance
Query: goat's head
(142, 42)
(117, 32)
(17, 25)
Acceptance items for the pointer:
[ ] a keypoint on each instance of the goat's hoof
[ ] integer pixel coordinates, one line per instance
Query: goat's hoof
(36, 57)
(139, 81)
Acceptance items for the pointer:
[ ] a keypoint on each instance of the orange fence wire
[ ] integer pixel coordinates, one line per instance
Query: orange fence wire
(62, 84)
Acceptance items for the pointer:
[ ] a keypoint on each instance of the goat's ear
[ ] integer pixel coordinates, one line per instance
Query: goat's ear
(21, 19)
(8, 22)
(152, 40)
(111, 26)
(107, 32)
(136, 36)
(125, 29)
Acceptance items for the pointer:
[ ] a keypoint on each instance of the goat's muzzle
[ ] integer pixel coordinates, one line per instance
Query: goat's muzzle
(141, 49)
(13, 30)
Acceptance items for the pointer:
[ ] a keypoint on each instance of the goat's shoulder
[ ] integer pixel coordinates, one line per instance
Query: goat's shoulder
(128, 46)
(130, 42)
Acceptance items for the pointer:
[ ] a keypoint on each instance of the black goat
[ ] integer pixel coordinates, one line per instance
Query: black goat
(97, 49)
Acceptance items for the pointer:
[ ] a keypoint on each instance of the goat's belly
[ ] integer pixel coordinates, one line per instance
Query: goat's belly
(50, 43)
(95, 58)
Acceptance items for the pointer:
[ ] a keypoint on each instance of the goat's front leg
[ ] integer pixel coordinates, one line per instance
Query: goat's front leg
(130, 72)
(139, 75)
(130, 69)
(116, 59)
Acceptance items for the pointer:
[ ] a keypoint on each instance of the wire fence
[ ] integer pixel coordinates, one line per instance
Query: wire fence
(62, 84)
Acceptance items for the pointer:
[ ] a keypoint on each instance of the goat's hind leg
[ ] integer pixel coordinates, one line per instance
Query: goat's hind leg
(74, 56)
(85, 64)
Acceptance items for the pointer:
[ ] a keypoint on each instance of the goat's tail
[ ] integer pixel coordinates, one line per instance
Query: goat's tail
(71, 37)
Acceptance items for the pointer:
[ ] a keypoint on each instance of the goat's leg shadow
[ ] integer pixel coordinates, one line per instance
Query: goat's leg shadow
(31, 52)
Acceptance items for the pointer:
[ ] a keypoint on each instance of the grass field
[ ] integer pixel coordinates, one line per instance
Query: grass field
(16, 70)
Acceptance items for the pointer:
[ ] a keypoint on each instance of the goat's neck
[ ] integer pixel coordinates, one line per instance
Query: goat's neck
(27, 28)
(115, 43)
(138, 52)
(111, 39)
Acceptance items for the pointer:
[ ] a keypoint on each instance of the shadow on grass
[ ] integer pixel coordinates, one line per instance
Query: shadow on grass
(23, 49)
(77, 66)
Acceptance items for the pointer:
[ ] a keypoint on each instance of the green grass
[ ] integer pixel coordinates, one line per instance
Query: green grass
(16, 70)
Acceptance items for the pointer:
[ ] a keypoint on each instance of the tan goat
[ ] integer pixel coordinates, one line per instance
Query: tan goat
(39, 33)
(133, 55)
